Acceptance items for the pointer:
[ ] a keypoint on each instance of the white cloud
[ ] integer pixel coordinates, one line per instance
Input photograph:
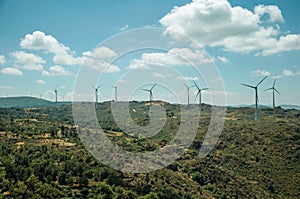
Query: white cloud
(45, 73)
(276, 76)
(28, 61)
(100, 59)
(12, 71)
(298, 73)
(40, 41)
(217, 23)
(159, 75)
(287, 72)
(2, 59)
(58, 70)
(260, 72)
(6, 87)
(174, 57)
(40, 81)
(124, 27)
(284, 43)
(272, 11)
(187, 78)
(223, 59)
(55, 71)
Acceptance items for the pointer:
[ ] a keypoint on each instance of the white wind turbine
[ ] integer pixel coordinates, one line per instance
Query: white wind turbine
(188, 92)
(274, 90)
(116, 93)
(199, 94)
(256, 95)
(150, 92)
(96, 92)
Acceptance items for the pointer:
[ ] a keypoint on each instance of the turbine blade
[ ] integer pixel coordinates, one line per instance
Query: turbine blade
(268, 89)
(248, 85)
(204, 89)
(196, 85)
(276, 91)
(145, 89)
(98, 86)
(197, 94)
(93, 86)
(185, 85)
(274, 82)
(153, 86)
(261, 81)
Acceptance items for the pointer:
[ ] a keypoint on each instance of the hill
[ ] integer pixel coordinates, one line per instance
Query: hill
(26, 102)
(42, 156)
(283, 106)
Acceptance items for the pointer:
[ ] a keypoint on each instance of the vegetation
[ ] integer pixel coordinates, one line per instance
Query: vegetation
(42, 156)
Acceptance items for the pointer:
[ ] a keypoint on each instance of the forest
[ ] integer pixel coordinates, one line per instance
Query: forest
(42, 156)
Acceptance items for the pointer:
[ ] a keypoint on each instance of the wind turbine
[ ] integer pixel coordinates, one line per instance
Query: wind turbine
(116, 93)
(96, 92)
(274, 89)
(256, 95)
(188, 92)
(55, 91)
(150, 92)
(199, 94)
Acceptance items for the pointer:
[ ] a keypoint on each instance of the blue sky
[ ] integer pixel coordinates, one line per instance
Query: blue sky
(45, 43)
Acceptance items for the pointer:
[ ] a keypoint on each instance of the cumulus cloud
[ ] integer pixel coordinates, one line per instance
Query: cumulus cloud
(187, 78)
(174, 57)
(6, 87)
(223, 59)
(40, 41)
(2, 59)
(45, 73)
(12, 71)
(55, 71)
(159, 75)
(28, 61)
(287, 72)
(218, 23)
(260, 72)
(100, 59)
(40, 81)
(276, 76)
(273, 12)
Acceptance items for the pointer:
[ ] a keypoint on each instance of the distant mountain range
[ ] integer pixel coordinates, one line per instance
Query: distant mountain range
(30, 102)
(27, 102)
(283, 106)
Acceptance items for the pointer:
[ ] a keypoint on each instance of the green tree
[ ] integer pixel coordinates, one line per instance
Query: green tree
(65, 178)
(4, 183)
(83, 180)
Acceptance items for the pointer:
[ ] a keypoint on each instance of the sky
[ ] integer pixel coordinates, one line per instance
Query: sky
(74, 45)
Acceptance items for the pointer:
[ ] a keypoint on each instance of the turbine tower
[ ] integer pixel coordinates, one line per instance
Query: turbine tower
(256, 95)
(274, 90)
(116, 93)
(188, 92)
(150, 92)
(96, 92)
(199, 94)
(55, 91)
